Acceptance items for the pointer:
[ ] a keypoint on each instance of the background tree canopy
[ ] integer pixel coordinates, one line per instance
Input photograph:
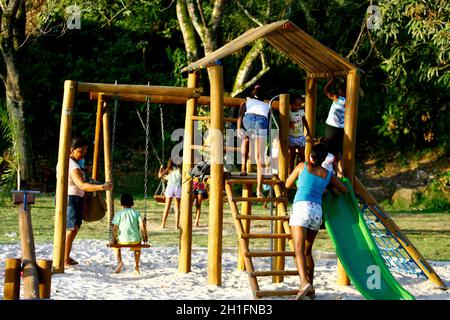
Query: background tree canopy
(404, 87)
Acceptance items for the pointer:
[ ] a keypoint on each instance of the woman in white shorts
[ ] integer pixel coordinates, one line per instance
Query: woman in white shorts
(311, 180)
(173, 191)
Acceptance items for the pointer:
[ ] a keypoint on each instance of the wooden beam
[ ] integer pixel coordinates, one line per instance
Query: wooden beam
(108, 170)
(11, 288)
(177, 100)
(116, 89)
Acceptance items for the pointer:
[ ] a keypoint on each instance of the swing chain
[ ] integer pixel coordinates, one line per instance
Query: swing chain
(147, 138)
(162, 129)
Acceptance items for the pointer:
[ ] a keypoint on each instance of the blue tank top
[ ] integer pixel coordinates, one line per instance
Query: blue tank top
(310, 187)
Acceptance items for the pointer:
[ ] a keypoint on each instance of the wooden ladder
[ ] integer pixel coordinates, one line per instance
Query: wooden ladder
(244, 237)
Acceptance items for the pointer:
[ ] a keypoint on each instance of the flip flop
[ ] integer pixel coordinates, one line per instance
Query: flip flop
(303, 292)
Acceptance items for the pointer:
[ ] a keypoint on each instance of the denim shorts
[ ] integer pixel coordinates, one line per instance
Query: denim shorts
(306, 214)
(257, 124)
(299, 141)
(75, 206)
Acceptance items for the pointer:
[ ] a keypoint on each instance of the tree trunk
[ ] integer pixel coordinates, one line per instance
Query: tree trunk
(188, 32)
(240, 82)
(15, 107)
(12, 35)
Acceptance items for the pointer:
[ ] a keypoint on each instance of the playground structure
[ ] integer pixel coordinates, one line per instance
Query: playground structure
(36, 273)
(319, 62)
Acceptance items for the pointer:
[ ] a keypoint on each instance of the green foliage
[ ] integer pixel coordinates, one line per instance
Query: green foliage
(414, 38)
(9, 161)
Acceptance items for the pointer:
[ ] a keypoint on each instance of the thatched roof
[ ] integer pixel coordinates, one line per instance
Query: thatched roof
(316, 59)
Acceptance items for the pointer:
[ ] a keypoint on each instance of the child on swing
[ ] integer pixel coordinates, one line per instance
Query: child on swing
(128, 229)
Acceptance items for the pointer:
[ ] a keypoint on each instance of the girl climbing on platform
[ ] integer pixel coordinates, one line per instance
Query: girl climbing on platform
(311, 180)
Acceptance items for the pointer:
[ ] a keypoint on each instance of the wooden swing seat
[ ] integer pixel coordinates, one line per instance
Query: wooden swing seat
(132, 246)
(159, 198)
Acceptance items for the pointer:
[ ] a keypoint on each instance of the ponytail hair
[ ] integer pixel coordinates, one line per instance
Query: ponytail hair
(255, 92)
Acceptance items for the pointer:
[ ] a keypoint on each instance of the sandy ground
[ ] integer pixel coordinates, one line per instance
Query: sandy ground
(94, 277)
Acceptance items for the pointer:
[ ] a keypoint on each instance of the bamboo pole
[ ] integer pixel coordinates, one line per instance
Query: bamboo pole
(184, 258)
(348, 157)
(59, 236)
(177, 100)
(115, 89)
(30, 274)
(246, 209)
(98, 130)
(216, 177)
(108, 169)
(44, 268)
(310, 112)
(11, 288)
(283, 167)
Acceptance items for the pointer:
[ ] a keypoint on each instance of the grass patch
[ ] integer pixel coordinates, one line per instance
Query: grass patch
(429, 232)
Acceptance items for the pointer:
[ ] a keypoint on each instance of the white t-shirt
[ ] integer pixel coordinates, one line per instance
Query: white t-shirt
(256, 107)
(73, 190)
(296, 117)
(328, 163)
(337, 113)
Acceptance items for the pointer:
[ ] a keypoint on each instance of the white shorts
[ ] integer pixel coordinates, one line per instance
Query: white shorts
(306, 214)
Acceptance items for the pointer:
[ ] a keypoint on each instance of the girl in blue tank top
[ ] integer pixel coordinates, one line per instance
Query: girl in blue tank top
(311, 180)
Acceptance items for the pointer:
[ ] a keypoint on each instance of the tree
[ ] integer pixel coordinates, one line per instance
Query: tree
(12, 36)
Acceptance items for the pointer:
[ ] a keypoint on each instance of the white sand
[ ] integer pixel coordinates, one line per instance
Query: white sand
(94, 277)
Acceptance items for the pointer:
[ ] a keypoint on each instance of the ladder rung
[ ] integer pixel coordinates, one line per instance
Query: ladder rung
(270, 254)
(251, 217)
(274, 273)
(251, 180)
(255, 199)
(265, 235)
(269, 293)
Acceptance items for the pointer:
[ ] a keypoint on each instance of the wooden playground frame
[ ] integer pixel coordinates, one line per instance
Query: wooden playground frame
(317, 60)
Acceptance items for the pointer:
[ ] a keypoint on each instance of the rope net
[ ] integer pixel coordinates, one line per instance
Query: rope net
(394, 255)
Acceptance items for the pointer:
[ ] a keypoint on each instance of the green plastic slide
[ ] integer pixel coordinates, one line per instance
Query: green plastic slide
(357, 250)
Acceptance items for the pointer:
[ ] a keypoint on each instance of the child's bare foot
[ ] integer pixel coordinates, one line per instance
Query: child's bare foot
(119, 267)
(137, 271)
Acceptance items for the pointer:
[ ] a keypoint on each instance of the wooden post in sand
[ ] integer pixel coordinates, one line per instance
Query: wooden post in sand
(283, 167)
(59, 238)
(184, 258)
(30, 275)
(348, 156)
(11, 288)
(216, 177)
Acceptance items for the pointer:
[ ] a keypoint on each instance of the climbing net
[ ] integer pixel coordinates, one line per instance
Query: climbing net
(395, 256)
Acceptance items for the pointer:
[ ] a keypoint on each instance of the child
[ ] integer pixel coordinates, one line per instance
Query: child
(128, 228)
(311, 180)
(334, 131)
(297, 120)
(199, 195)
(173, 191)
